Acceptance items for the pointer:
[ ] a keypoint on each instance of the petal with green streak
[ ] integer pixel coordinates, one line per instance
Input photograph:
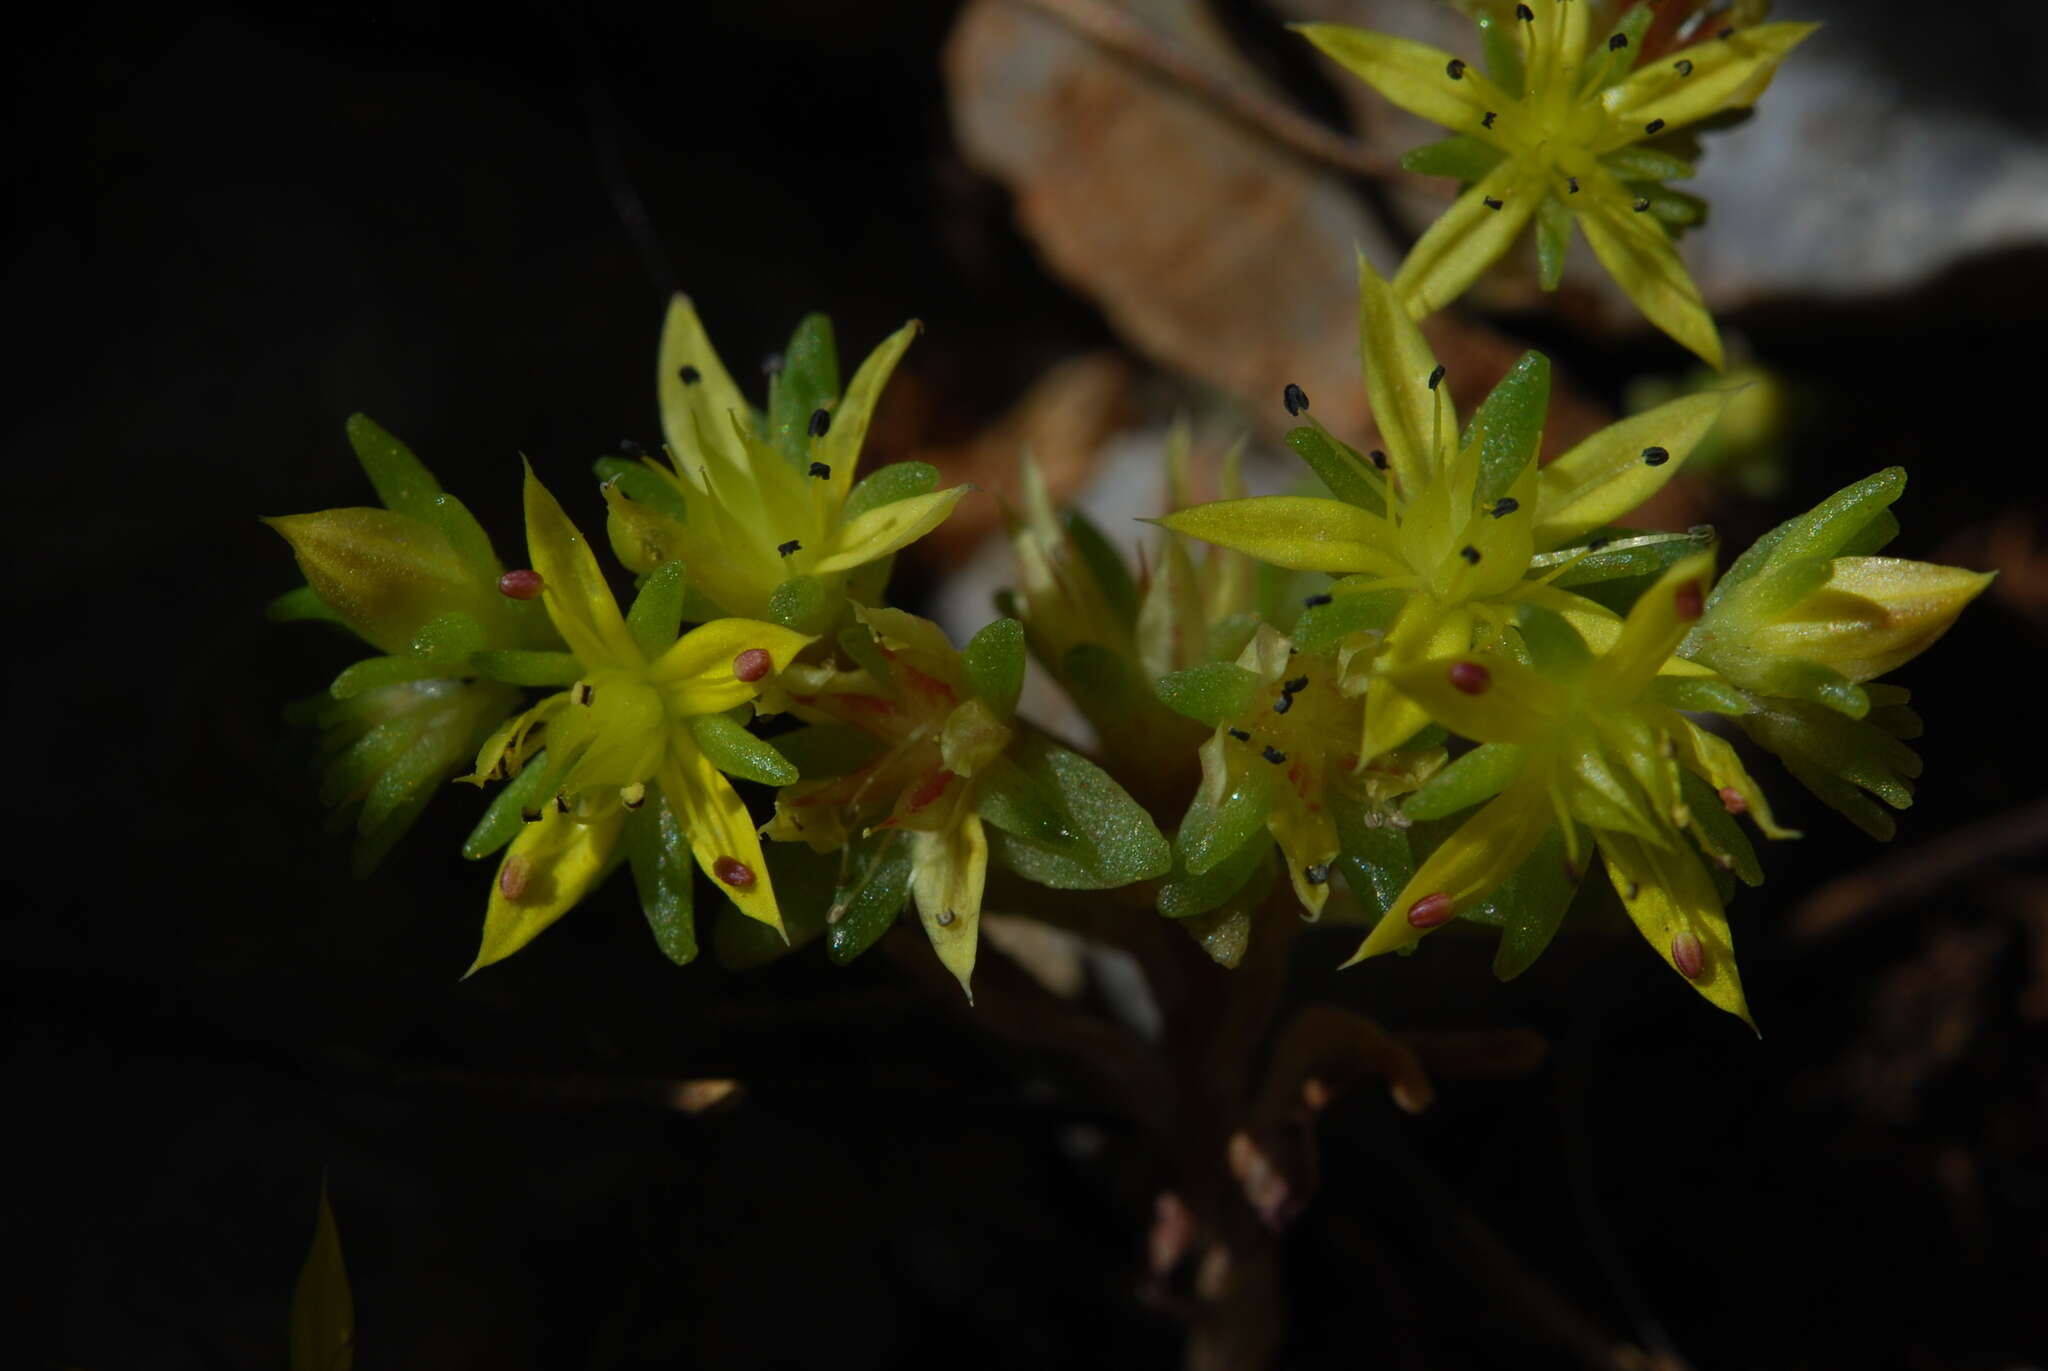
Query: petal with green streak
(1469, 864)
(1656, 625)
(719, 829)
(1479, 775)
(840, 447)
(1874, 614)
(384, 574)
(729, 747)
(1639, 254)
(1299, 532)
(1667, 892)
(1517, 705)
(1725, 73)
(947, 872)
(574, 591)
(696, 416)
(1413, 75)
(1410, 413)
(696, 675)
(1606, 476)
(657, 613)
(665, 877)
(563, 858)
(888, 529)
(1468, 238)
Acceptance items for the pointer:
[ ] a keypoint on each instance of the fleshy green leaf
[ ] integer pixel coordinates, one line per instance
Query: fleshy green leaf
(1479, 775)
(733, 750)
(1375, 858)
(1530, 904)
(1508, 425)
(1184, 895)
(1348, 476)
(886, 485)
(870, 896)
(1111, 840)
(800, 603)
(1112, 575)
(404, 485)
(1321, 628)
(808, 382)
(1210, 694)
(1638, 163)
(1461, 156)
(374, 673)
(643, 485)
(1553, 240)
(656, 618)
(665, 874)
(524, 794)
(528, 668)
(994, 660)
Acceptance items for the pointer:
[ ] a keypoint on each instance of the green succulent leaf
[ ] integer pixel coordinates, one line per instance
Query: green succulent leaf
(808, 382)
(889, 484)
(994, 660)
(1211, 694)
(870, 896)
(737, 752)
(1107, 839)
(664, 874)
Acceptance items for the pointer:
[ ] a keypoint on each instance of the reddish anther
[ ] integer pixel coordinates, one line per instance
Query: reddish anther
(1470, 677)
(1431, 910)
(513, 878)
(521, 584)
(1688, 956)
(734, 873)
(1732, 801)
(751, 665)
(1689, 602)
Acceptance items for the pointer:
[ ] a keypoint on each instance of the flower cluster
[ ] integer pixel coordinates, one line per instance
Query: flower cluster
(1432, 692)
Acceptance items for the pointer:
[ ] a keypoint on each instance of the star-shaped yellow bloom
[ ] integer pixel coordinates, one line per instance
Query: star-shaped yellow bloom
(751, 514)
(1594, 742)
(1564, 130)
(645, 709)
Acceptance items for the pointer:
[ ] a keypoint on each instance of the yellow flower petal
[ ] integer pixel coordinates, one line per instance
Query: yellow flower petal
(1465, 868)
(554, 862)
(1714, 758)
(697, 415)
(574, 590)
(840, 447)
(1424, 630)
(1670, 896)
(1874, 614)
(385, 574)
(1610, 473)
(1415, 76)
(1725, 73)
(722, 836)
(697, 675)
(1415, 419)
(888, 529)
(1467, 238)
(1488, 698)
(1643, 261)
(947, 872)
(1656, 624)
(1299, 532)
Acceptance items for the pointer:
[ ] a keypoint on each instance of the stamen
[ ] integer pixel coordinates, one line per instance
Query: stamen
(513, 878)
(1642, 203)
(530, 816)
(751, 665)
(734, 873)
(634, 795)
(1617, 42)
(1317, 601)
(821, 471)
(771, 365)
(1688, 956)
(1487, 122)
(1725, 34)
(1317, 875)
(690, 375)
(1655, 456)
(1273, 755)
(1525, 14)
(1455, 69)
(1684, 65)
(1283, 704)
(821, 422)
(1436, 377)
(521, 584)
(1469, 678)
(1239, 734)
(791, 546)
(1732, 801)
(1379, 459)
(1635, 890)
(1505, 505)
(1295, 686)
(1654, 126)
(1431, 910)
(1491, 203)
(1295, 398)
(1689, 602)
(631, 448)
(1573, 182)
(561, 803)
(1470, 554)
(945, 918)
(585, 692)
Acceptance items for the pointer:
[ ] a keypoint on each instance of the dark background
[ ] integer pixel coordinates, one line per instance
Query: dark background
(233, 227)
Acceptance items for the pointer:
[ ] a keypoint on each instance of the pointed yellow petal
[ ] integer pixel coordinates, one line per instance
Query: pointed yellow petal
(642, 537)
(1714, 758)
(573, 588)
(1703, 79)
(947, 871)
(1298, 532)
(553, 863)
(323, 1319)
(701, 673)
(840, 447)
(1644, 262)
(1612, 472)
(1425, 630)
(1671, 898)
(722, 836)
(1485, 697)
(385, 574)
(888, 529)
(1415, 76)
(1308, 841)
(1656, 625)
(1469, 237)
(697, 414)
(1873, 614)
(1414, 417)
(1465, 868)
